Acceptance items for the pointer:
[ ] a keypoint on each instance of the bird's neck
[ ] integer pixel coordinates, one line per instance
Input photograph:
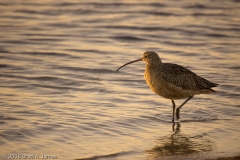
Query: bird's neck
(154, 65)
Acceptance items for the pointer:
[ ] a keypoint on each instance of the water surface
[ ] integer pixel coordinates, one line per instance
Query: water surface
(60, 94)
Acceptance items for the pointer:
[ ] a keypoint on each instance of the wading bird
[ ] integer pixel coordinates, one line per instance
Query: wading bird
(172, 81)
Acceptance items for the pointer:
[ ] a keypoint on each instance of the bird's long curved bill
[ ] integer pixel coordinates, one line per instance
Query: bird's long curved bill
(128, 63)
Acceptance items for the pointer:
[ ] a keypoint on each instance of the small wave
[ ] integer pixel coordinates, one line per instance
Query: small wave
(47, 78)
(128, 38)
(208, 14)
(182, 44)
(3, 50)
(29, 12)
(99, 4)
(66, 4)
(161, 13)
(4, 65)
(84, 50)
(48, 54)
(195, 6)
(201, 6)
(216, 35)
(214, 28)
(3, 117)
(18, 41)
(4, 4)
(202, 120)
(114, 155)
(2, 122)
(234, 67)
(85, 69)
(54, 87)
(45, 39)
(140, 28)
(62, 25)
(185, 120)
(157, 119)
(41, 78)
(16, 134)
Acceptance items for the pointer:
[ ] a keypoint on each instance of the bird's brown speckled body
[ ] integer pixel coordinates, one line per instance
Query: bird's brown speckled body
(172, 81)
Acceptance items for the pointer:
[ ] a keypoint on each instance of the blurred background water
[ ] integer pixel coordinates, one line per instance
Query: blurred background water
(60, 94)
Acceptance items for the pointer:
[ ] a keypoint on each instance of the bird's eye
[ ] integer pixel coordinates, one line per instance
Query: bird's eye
(145, 56)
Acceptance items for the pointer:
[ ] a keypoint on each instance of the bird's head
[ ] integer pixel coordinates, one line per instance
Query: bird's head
(151, 58)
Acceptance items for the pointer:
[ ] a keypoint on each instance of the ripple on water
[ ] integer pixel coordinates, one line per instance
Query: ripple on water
(59, 87)
(108, 156)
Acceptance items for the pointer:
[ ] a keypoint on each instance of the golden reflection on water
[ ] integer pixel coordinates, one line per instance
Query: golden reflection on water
(180, 144)
(64, 98)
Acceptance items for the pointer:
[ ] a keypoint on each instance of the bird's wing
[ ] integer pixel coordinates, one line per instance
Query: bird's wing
(184, 78)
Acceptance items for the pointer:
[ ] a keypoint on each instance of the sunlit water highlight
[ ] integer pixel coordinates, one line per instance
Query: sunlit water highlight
(60, 94)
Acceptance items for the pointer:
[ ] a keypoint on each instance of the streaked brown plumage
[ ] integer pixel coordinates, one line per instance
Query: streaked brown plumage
(172, 81)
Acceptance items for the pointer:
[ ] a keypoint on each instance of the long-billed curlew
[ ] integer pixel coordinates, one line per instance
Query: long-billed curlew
(172, 81)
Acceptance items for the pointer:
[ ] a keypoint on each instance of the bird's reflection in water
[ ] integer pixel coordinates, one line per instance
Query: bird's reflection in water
(180, 144)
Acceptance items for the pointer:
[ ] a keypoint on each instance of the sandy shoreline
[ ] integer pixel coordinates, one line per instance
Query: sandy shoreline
(226, 158)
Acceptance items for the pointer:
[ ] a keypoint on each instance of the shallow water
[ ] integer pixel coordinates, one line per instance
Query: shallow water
(60, 95)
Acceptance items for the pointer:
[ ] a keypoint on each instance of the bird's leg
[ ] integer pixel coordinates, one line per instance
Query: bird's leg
(178, 109)
(173, 105)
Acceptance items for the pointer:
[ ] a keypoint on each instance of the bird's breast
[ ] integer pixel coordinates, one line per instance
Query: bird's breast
(154, 81)
(163, 88)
